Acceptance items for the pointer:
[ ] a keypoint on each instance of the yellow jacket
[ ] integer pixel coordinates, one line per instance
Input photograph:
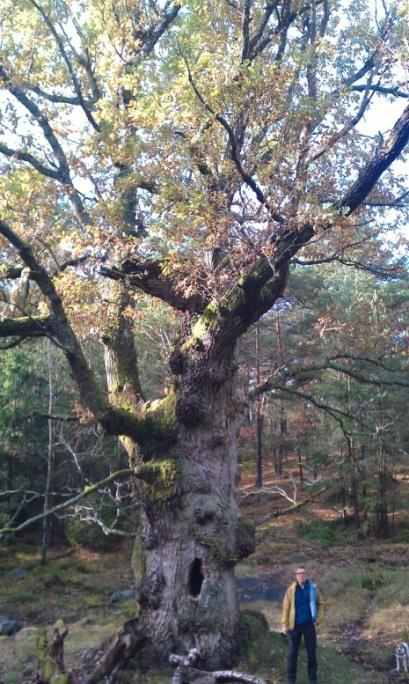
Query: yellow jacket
(316, 604)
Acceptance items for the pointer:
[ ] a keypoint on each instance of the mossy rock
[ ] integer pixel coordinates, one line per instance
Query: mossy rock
(255, 640)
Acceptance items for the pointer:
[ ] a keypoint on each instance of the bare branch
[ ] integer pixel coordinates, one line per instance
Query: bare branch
(334, 139)
(292, 509)
(47, 416)
(392, 90)
(234, 150)
(378, 271)
(21, 155)
(63, 173)
(15, 343)
(76, 83)
(90, 489)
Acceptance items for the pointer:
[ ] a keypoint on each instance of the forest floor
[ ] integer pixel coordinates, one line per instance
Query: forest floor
(365, 583)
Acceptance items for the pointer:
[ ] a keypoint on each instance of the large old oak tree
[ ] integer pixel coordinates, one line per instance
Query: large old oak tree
(185, 152)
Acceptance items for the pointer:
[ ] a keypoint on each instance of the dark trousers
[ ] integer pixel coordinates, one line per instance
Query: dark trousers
(294, 639)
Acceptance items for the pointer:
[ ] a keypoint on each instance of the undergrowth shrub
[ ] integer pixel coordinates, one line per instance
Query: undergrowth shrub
(325, 533)
(87, 535)
(394, 589)
(373, 580)
(345, 599)
(401, 536)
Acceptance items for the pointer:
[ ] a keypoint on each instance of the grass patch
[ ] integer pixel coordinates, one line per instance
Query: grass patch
(346, 601)
(18, 656)
(395, 588)
(389, 623)
(21, 596)
(373, 580)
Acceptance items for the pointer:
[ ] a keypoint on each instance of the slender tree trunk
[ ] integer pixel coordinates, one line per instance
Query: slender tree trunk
(47, 521)
(354, 491)
(10, 479)
(300, 465)
(381, 511)
(282, 448)
(259, 418)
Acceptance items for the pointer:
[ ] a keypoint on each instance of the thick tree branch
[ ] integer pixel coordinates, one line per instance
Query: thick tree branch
(151, 36)
(149, 277)
(27, 326)
(253, 48)
(21, 155)
(56, 98)
(384, 90)
(245, 27)
(42, 121)
(383, 157)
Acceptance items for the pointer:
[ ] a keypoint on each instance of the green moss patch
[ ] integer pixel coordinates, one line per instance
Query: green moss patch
(256, 645)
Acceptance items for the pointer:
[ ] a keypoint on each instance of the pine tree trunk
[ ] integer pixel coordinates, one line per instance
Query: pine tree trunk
(47, 521)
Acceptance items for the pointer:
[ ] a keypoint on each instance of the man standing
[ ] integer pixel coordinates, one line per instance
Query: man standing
(302, 610)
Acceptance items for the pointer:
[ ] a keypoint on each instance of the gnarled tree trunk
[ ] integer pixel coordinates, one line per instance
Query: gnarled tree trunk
(192, 536)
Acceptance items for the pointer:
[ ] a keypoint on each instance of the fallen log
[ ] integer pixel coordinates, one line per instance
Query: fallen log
(277, 512)
(185, 673)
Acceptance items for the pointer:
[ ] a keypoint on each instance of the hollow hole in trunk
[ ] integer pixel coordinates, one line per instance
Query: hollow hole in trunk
(196, 577)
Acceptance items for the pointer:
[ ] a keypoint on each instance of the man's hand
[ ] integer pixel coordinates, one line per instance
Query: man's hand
(284, 630)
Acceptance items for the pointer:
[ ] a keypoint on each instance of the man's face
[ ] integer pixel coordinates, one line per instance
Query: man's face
(301, 575)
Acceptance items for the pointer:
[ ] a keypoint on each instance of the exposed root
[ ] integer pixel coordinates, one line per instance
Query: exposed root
(110, 657)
